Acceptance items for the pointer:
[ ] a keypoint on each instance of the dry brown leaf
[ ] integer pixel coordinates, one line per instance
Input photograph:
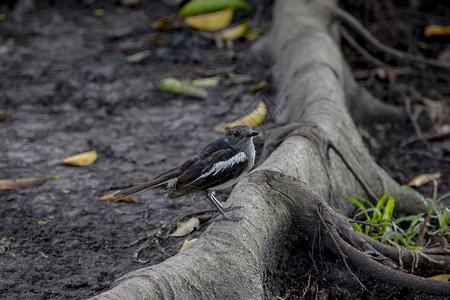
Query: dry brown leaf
(19, 183)
(82, 159)
(211, 21)
(110, 197)
(253, 119)
(443, 277)
(185, 228)
(187, 244)
(422, 179)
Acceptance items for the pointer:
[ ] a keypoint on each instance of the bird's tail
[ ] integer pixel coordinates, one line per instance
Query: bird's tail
(140, 187)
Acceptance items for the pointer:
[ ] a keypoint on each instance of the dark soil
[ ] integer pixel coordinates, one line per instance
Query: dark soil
(66, 87)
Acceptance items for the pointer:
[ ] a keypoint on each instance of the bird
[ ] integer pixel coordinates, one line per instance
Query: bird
(218, 166)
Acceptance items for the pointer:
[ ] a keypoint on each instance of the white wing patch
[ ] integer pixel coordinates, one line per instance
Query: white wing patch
(223, 165)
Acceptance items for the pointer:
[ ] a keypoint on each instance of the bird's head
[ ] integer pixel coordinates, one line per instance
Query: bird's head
(239, 136)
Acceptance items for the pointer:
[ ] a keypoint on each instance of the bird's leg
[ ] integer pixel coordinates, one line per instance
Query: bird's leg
(220, 208)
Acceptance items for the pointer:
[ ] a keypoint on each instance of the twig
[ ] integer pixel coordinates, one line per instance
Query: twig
(392, 69)
(419, 152)
(363, 51)
(359, 28)
(341, 254)
(416, 126)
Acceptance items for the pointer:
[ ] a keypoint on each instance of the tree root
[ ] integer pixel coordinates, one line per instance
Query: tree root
(364, 253)
(400, 55)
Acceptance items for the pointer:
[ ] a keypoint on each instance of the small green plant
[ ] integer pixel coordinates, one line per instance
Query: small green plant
(408, 230)
(434, 211)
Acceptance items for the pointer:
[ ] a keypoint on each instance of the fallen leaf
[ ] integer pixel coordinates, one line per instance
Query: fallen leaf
(261, 85)
(82, 159)
(99, 12)
(65, 191)
(422, 179)
(173, 85)
(253, 119)
(19, 183)
(196, 7)
(234, 33)
(253, 34)
(187, 244)
(443, 277)
(185, 228)
(239, 78)
(211, 21)
(433, 30)
(110, 197)
(42, 222)
(138, 57)
(205, 82)
(168, 23)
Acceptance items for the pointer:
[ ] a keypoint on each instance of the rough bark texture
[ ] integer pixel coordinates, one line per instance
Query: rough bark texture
(315, 165)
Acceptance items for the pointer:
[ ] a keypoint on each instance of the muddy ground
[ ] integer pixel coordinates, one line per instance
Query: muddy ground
(66, 87)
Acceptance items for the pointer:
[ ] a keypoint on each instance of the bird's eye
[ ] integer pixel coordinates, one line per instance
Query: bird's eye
(236, 134)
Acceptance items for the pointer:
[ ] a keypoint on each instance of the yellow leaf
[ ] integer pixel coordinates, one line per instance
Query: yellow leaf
(211, 21)
(443, 277)
(82, 159)
(187, 244)
(423, 179)
(235, 32)
(176, 86)
(261, 85)
(206, 82)
(253, 119)
(110, 197)
(65, 191)
(186, 227)
(42, 222)
(432, 30)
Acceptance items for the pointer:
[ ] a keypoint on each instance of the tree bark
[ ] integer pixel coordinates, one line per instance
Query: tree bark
(308, 167)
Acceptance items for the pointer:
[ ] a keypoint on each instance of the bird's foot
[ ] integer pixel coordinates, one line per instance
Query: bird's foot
(225, 217)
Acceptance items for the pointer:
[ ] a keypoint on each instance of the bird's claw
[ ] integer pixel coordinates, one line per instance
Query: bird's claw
(226, 217)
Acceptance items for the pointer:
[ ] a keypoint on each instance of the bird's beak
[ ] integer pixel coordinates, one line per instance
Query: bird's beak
(253, 133)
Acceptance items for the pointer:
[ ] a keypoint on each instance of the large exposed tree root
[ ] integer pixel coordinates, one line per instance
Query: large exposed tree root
(297, 191)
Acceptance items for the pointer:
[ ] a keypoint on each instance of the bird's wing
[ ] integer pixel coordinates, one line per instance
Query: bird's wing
(213, 170)
(207, 151)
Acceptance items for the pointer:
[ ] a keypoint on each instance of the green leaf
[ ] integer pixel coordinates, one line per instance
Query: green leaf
(376, 217)
(195, 7)
(357, 227)
(380, 202)
(446, 195)
(389, 209)
(357, 203)
(365, 201)
(444, 217)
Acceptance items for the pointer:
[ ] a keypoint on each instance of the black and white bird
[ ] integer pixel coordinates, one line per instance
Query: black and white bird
(218, 166)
